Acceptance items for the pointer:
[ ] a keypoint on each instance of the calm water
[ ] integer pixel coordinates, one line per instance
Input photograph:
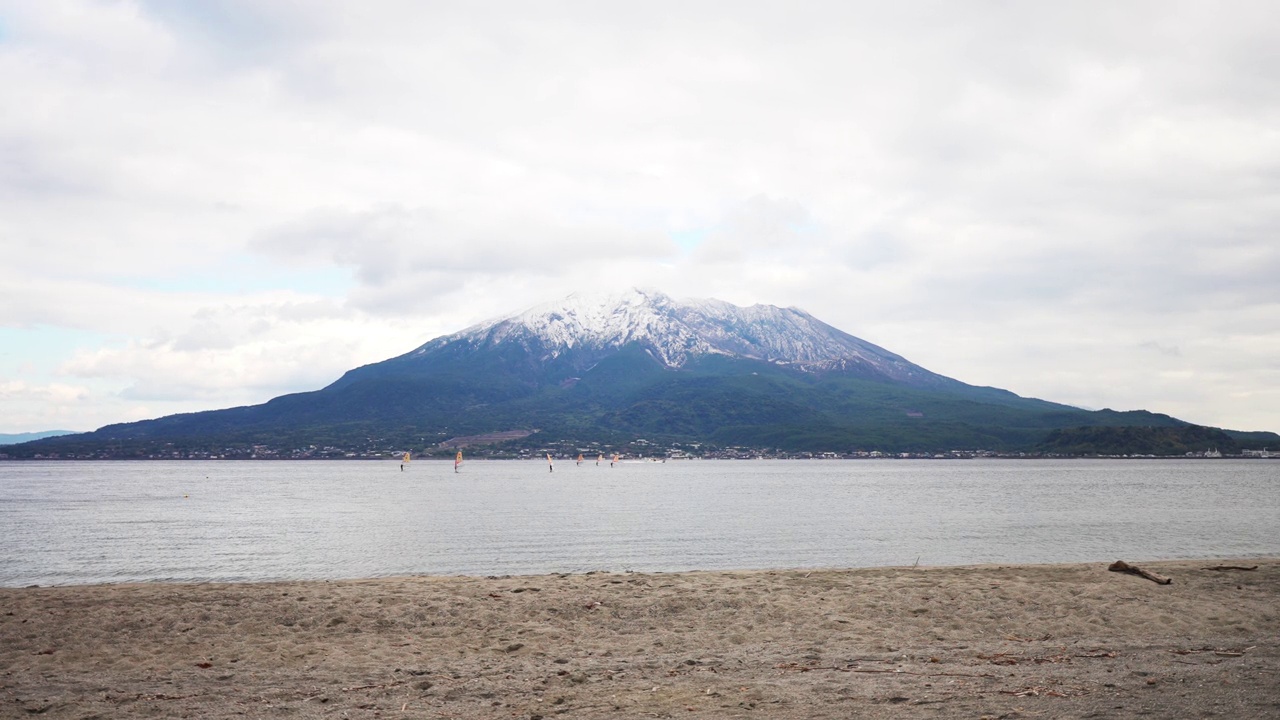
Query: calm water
(92, 522)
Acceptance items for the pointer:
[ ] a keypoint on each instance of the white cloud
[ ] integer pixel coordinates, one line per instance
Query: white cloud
(244, 353)
(1030, 196)
(42, 407)
(398, 252)
(60, 394)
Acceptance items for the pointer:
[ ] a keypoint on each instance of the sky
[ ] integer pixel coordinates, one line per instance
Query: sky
(211, 203)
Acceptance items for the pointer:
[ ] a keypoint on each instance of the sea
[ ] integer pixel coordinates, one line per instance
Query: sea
(72, 523)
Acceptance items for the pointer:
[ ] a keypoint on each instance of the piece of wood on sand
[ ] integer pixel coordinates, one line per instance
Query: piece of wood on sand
(1124, 567)
(1232, 567)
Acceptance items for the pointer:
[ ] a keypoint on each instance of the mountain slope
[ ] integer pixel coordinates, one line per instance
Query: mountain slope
(633, 364)
(572, 335)
(15, 438)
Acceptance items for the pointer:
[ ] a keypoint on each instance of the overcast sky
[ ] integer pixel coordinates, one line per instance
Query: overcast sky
(211, 203)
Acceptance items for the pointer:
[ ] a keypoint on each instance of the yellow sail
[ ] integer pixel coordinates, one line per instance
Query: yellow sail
(406, 458)
(457, 461)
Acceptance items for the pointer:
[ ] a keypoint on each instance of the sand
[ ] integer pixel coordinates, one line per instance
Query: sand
(992, 641)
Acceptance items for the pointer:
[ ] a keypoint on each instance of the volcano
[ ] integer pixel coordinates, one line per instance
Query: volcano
(604, 370)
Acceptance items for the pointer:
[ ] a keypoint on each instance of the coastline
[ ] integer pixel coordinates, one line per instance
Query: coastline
(973, 641)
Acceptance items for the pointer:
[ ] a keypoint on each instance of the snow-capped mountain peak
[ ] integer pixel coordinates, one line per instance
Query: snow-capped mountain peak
(677, 331)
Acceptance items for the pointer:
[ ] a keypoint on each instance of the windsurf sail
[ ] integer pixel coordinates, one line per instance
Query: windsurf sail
(579, 458)
(457, 461)
(406, 458)
(550, 465)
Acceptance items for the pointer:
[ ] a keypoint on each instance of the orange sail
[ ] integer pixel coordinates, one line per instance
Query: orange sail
(457, 461)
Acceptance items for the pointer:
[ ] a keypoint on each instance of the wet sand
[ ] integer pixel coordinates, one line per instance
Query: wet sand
(1040, 641)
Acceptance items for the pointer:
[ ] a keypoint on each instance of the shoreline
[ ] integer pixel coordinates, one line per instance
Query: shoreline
(1227, 559)
(997, 640)
(1208, 559)
(445, 459)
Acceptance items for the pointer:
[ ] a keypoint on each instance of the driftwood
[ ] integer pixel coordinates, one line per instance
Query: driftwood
(1124, 567)
(1232, 567)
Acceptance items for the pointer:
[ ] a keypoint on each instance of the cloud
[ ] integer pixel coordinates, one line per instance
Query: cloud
(1167, 350)
(43, 407)
(1018, 195)
(406, 259)
(57, 393)
(244, 353)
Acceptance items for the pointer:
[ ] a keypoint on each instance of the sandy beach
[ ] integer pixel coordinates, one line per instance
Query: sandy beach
(990, 641)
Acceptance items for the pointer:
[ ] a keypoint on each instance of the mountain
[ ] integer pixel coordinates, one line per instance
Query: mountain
(575, 334)
(15, 438)
(1139, 441)
(630, 367)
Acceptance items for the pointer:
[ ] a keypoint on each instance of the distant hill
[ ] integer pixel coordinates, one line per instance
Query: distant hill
(15, 438)
(1139, 441)
(609, 370)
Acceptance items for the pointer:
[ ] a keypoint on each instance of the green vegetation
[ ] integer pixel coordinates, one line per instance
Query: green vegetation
(624, 398)
(1138, 441)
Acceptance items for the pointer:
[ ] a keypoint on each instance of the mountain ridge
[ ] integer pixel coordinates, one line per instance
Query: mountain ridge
(677, 332)
(17, 438)
(622, 367)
